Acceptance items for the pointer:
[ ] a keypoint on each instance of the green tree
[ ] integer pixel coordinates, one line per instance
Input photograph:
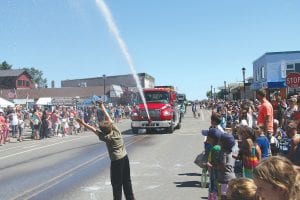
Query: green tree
(37, 77)
(126, 97)
(219, 95)
(208, 94)
(4, 66)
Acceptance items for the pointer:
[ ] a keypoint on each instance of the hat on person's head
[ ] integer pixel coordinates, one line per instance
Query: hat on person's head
(293, 99)
(204, 132)
(214, 133)
(227, 140)
(292, 125)
(236, 121)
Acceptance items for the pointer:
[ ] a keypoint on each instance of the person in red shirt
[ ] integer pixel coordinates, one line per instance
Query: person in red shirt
(265, 113)
(2, 124)
(4, 128)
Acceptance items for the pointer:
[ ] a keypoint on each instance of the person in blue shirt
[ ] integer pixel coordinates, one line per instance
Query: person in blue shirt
(262, 142)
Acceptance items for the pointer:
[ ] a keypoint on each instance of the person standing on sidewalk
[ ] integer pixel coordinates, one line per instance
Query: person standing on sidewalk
(265, 119)
(120, 168)
(2, 126)
(13, 121)
(265, 113)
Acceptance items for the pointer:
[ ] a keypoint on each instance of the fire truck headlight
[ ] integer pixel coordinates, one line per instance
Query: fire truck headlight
(166, 113)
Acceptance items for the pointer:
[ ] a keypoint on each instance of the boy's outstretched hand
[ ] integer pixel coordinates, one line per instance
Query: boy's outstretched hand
(100, 103)
(80, 121)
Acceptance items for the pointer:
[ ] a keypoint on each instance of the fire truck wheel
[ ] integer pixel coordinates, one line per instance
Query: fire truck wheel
(171, 128)
(150, 130)
(179, 125)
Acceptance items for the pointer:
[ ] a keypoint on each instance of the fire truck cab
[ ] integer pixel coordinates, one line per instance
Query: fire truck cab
(160, 111)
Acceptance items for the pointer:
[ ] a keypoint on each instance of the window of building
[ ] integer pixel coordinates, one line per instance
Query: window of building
(257, 75)
(19, 82)
(297, 67)
(262, 72)
(27, 84)
(290, 66)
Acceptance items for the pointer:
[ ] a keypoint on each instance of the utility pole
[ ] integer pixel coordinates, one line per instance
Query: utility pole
(104, 96)
(244, 81)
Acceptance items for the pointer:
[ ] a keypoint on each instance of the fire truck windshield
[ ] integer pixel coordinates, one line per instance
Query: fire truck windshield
(160, 97)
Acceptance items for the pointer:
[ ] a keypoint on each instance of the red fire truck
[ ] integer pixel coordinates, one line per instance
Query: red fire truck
(163, 112)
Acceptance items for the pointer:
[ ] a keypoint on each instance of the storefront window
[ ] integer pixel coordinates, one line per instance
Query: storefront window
(297, 67)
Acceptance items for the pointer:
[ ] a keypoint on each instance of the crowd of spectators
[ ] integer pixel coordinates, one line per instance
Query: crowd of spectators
(45, 122)
(251, 140)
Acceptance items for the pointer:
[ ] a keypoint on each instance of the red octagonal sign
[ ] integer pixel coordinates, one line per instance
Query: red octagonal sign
(293, 80)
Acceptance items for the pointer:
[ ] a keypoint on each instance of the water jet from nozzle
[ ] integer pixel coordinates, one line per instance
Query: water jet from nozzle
(123, 47)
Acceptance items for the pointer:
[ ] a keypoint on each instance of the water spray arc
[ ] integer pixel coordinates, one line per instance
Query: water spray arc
(115, 32)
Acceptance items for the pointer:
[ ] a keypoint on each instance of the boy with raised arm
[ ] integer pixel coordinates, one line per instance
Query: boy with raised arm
(119, 169)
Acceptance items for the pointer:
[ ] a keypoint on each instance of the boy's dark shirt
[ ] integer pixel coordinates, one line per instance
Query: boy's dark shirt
(114, 142)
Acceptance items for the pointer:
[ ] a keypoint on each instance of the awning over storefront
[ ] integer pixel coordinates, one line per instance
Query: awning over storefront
(276, 84)
(270, 85)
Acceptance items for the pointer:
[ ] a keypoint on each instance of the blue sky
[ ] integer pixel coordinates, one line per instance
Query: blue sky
(191, 44)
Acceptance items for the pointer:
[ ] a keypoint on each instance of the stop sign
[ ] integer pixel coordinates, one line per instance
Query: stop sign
(293, 80)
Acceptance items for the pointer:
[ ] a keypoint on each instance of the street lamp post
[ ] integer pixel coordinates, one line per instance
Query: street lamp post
(244, 83)
(214, 93)
(225, 92)
(104, 77)
(211, 93)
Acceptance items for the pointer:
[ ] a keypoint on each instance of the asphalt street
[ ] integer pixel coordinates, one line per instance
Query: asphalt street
(77, 167)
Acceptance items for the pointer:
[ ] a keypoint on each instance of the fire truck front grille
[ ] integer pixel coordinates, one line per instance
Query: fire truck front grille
(154, 114)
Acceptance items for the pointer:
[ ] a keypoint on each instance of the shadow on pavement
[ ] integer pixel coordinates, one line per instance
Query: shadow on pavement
(143, 132)
(190, 174)
(188, 184)
(127, 132)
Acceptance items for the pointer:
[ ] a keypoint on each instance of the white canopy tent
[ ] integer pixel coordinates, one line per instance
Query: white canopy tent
(4, 103)
(23, 101)
(44, 101)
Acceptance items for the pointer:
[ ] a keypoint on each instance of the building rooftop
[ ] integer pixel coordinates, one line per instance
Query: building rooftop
(11, 72)
(276, 53)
